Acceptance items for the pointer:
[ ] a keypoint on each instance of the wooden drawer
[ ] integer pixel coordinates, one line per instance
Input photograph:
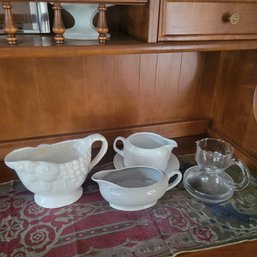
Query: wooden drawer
(207, 20)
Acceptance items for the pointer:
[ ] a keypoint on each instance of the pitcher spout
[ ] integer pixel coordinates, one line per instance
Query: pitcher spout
(171, 144)
(17, 159)
(101, 177)
(12, 164)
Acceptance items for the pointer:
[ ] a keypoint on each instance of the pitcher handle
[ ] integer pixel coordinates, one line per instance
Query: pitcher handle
(116, 149)
(246, 175)
(172, 173)
(102, 151)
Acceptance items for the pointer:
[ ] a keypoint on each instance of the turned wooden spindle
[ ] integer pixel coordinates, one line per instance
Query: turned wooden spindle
(102, 27)
(9, 27)
(58, 26)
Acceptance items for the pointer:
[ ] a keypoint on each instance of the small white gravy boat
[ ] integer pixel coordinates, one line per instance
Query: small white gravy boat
(134, 188)
(55, 172)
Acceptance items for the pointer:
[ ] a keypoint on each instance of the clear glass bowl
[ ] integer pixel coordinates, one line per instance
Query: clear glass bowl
(209, 187)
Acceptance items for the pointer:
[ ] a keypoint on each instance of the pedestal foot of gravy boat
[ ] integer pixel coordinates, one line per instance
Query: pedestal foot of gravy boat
(56, 201)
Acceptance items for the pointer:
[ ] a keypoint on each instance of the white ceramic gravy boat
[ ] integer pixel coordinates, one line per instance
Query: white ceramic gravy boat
(55, 172)
(134, 188)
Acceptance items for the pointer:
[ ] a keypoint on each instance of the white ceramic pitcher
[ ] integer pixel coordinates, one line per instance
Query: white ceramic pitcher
(55, 172)
(145, 149)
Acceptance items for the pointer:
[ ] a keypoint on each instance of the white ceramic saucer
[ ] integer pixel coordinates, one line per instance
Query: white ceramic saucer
(173, 163)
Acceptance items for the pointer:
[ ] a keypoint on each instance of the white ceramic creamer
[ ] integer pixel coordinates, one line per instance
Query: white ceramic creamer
(146, 149)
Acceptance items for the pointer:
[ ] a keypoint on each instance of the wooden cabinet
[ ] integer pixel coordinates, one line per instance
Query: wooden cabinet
(201, 80)
(207, 20)
(179, 89)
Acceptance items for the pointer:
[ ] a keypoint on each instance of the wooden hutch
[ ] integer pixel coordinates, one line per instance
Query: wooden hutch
(179, 68)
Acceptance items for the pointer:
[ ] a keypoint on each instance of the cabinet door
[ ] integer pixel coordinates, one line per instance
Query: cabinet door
(212, 20)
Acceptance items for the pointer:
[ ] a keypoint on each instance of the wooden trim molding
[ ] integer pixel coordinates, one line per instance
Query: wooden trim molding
(153, 21)
(255, 103)
(170, 130)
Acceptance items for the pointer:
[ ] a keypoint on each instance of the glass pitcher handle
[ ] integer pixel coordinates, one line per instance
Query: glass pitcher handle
(245, 173)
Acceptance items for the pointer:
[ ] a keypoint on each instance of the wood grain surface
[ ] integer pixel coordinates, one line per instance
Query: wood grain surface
(45, 97)
(186, 20)
(232, 107)
(255, 103)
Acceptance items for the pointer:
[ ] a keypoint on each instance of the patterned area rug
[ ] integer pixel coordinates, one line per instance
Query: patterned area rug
(90, 227)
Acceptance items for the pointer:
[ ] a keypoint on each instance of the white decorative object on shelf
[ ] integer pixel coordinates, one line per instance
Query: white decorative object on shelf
(145, 148)
(55, 172)
(83, 15)
(135, 188)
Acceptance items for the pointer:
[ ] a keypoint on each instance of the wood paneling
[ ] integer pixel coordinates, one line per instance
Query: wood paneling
(255, 103)
(52, 97)
(167, 82)
(20, 104)
(169, 130)
(141, 21)
(147, 82)
(232, 109)
(46, 97)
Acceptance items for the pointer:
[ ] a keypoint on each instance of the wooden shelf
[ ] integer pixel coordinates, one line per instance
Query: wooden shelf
(94, 1)
(44, 46)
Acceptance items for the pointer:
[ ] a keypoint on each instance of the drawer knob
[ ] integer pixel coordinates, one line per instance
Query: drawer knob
(234, 18)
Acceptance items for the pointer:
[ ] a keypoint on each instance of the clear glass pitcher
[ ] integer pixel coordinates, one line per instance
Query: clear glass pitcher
(210, 180)
(215, 156)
